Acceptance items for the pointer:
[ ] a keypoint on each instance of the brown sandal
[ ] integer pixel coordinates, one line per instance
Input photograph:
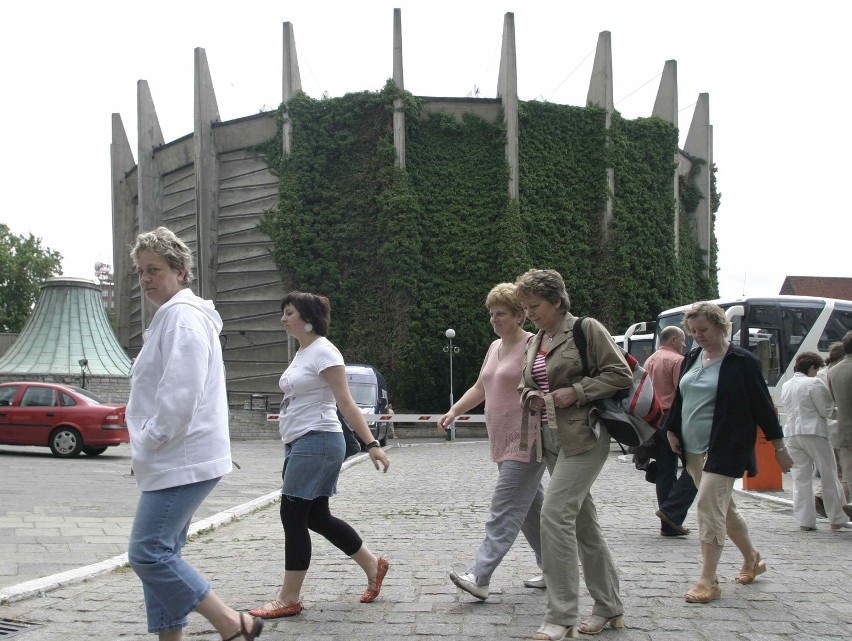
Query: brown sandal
(256, 629)
(700, 594)
(375, 586)
(747, 574)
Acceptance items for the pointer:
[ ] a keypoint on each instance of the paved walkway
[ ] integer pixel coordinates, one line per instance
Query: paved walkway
(426, 515)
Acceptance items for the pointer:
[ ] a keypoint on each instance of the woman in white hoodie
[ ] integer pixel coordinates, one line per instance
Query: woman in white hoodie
(177, 416)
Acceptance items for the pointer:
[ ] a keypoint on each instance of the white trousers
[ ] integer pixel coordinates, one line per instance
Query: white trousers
(807, 451)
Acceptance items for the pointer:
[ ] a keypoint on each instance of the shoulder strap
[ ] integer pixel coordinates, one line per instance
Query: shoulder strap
(580, 342)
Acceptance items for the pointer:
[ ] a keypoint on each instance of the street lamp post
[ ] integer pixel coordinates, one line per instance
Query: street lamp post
(451, 349)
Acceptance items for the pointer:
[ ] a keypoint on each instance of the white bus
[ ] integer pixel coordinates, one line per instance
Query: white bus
(637, 340)
(776, 328)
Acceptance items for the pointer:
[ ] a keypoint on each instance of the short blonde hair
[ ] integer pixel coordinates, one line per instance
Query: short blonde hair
(546, 283)
(163, 242)
(505, 294)
(711, 311)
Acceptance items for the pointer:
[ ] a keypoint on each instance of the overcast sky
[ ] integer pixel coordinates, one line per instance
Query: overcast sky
(777, 76)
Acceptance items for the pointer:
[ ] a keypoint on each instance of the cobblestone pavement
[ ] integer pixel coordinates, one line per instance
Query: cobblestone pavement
(426, 515)
(60, 514)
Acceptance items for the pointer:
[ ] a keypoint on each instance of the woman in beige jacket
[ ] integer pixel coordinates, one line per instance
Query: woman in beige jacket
(575, 446)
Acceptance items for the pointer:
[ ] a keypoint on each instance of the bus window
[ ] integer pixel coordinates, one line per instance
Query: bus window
(763, 343)
(797, 320)
(668, 321)
(641, 347)
(838, 324)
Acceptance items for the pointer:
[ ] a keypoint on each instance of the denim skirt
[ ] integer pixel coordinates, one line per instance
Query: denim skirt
(312, 464)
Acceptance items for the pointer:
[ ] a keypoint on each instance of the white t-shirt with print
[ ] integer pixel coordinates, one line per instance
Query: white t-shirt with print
(308, 403)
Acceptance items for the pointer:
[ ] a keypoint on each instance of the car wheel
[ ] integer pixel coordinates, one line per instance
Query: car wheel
(65, 442)
(94, 451)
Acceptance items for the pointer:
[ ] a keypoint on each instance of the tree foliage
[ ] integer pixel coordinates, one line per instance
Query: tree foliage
(24, 265)
(405, 254)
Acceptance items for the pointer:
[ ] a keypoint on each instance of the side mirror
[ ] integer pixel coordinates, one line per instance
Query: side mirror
(383, 403)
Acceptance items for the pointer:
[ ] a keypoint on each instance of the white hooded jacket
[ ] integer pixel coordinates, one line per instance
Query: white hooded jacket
(177, 414)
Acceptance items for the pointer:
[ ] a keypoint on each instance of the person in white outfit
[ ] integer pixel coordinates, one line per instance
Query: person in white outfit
(177, 416)
(808, 405)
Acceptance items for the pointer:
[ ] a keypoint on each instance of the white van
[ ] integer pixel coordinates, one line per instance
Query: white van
(370, 393)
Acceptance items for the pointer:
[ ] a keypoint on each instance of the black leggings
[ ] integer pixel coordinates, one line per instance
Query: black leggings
(300, 515)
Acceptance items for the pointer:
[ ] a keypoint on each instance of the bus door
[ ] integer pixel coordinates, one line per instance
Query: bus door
(755, 327)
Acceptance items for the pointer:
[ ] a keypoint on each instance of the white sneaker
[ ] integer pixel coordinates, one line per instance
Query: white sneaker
(535, 582)
(467, 582)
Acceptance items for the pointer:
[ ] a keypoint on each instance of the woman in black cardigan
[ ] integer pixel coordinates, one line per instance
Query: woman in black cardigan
(721, 400)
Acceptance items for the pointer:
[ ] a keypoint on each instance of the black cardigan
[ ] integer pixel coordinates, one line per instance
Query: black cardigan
(742, 403)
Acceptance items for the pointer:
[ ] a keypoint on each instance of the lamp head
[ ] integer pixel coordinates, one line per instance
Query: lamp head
(83, 362)
(450, 333)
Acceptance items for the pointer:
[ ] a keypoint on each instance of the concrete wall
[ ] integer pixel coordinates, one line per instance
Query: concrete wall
(212, 189)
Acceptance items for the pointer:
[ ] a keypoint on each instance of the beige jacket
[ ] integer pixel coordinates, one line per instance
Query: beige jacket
(840, 384)
(609, 374)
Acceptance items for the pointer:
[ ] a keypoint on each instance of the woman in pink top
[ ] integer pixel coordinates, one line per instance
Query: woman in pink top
(517, 498)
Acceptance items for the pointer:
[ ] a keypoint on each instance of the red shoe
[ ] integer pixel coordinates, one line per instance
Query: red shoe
(278, 610)
(375, 586)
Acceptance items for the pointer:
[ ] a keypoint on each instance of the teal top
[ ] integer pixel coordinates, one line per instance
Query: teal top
(698, 390)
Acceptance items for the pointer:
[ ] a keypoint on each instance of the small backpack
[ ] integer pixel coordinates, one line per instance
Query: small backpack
(631, 416)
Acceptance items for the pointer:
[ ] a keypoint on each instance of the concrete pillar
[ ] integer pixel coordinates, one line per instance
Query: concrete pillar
(291, 81)
(665, 107)
(600, 95)
(507, 91)
(699, 144)
(150, 191)
(206, 178)
(398, 114)
(123, 224)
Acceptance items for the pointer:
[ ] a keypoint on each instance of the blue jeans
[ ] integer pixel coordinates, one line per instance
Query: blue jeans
(172, 587)
(312, 464)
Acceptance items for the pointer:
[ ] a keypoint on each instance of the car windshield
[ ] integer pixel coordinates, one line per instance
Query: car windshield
(94, 400)
(363, 394)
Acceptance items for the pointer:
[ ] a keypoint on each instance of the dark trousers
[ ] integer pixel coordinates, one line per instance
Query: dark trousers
(674, 494)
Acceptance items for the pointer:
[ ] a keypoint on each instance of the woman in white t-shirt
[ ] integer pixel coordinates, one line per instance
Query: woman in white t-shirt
(314, 386)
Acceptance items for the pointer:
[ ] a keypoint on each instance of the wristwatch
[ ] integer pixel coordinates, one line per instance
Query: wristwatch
(373, 444)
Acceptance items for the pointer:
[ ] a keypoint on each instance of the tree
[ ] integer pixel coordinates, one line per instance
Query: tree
(24, 266)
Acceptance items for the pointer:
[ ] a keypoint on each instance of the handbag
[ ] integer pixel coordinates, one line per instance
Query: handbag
(353, 445)
(632, 417)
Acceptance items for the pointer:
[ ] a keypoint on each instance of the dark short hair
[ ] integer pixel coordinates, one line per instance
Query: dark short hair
(313, 308)
(835, 353)
(548, 284)
(847, 342)
(806, 360)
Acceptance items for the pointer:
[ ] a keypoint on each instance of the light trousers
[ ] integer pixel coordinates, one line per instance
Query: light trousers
(807, 451)
(717, 513)
(515, 507)
(571, 534)
(844, 455)
(172, 587)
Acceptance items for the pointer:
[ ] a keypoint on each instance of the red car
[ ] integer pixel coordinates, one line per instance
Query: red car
(67, 419)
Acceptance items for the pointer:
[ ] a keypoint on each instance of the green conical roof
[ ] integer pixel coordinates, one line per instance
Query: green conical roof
(68, 324)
